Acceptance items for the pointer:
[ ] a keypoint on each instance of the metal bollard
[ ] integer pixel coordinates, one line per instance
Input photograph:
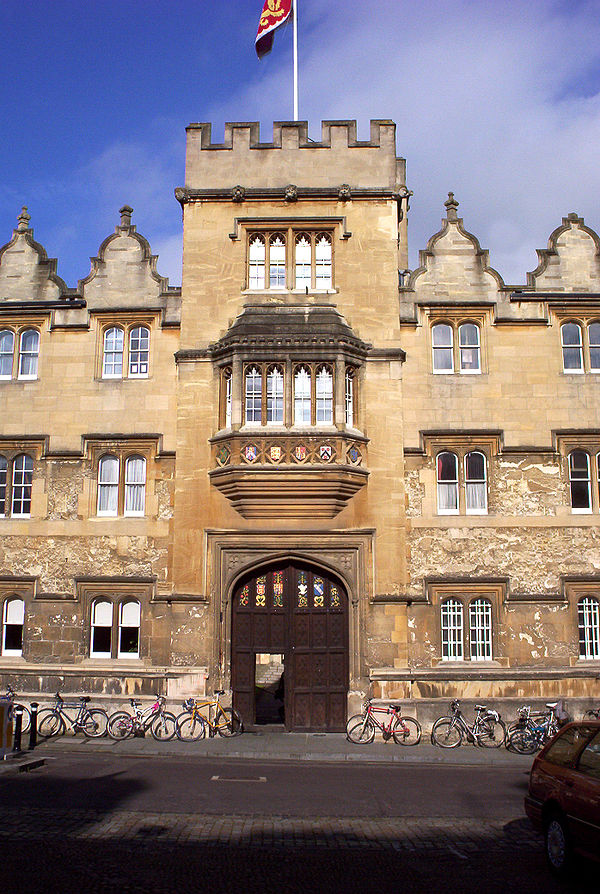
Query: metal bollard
(33, 729)
(18, 715)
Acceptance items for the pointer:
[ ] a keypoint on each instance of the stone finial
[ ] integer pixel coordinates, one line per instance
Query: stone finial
(126, 211)
(572, 216)
(23, 219)
(451, 205)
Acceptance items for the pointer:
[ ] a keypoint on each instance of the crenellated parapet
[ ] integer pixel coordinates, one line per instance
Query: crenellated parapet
(339, 163)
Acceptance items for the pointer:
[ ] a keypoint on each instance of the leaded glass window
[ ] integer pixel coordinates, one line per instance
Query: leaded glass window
(302, 395)
(588, 613)
(303, 261)
(261, 591)
(468, 345)
(442, 340)
(135, 485)
(480, 627)
(112, 358)
(324, 395)
(139, 352)
(253, 396)
(22, 482)
(275, 395)
(452, 630)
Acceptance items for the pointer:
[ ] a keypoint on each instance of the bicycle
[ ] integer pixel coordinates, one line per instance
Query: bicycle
(532, 730)
(360, 728)
(90, 721)
(487, 730)
(161, 723)
(201, 714)
(26, 721)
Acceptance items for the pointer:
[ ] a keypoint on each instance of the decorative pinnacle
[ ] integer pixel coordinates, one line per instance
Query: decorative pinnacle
(451, 206)
(23, 219)
(126, 211)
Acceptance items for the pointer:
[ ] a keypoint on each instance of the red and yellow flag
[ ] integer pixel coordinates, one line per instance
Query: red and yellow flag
(274, 14)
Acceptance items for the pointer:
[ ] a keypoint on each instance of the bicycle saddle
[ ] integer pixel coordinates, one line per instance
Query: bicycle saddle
(481, 707)
(396, 707)
(219, 692)
(86, 698)
(551, 704)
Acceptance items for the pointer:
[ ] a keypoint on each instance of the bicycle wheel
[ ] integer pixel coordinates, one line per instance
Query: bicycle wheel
(229, 723)
(592, 714)
(120, 725)
(190, 727)
(163, 726)
(446, 733)
(522, 741)
(50, 723)
(95, 723)
(26, 717)
(360, 730)
(492, 733)
(406, 731)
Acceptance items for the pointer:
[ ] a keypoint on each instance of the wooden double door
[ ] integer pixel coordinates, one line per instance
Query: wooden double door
(301, 613)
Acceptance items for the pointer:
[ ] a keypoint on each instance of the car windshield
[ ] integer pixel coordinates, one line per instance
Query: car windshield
(566, 746)
(589, 762)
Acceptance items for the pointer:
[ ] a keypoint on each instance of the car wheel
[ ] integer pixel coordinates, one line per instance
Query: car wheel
(558, 845)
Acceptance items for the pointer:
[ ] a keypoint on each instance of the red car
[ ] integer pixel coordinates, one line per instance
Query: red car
(564, 794)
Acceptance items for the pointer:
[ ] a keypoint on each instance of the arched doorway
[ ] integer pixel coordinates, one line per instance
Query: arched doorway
(301, 614)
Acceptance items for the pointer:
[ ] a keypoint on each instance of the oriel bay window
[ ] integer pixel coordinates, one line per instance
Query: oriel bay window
(264, 394)
(290, 259)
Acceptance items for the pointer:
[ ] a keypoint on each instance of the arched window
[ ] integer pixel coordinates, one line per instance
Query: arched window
(28, 354)
(112, 358)
(108, 485)
(3, 482)
(275, 395)
(572, 347)
(579, 480)
(12, 627)
(129, 629)
(323, 266)
(594, 342)
(303, 261)
(588, 613)
(442, 342)
(135, 485)
(324, 395)
(452, 630)
(475, 483)
(256, 262)
(447, 483)
(253, 401)
(277, 261)
(302, 396)
(102, 620)
(480, 629)
(468, 344)
(349, 397)
(7, 344)
(22, 480)
(139, 352)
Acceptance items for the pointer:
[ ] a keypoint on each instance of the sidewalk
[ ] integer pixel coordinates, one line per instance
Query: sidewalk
(267, 746)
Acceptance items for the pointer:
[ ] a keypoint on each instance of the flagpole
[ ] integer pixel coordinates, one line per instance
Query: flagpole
(295, 19)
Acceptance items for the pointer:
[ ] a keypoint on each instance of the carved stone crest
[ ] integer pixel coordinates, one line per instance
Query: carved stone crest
(291, 193)
(238, 193)
(345, 193)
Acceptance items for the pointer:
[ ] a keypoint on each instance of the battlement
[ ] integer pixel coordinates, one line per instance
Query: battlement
(292, 157)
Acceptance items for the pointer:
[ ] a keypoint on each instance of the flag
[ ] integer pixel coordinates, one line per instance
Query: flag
(274, 14)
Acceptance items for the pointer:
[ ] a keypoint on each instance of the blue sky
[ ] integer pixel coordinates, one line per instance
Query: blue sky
(499, 102)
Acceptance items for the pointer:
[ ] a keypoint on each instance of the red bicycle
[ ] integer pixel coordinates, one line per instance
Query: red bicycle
(360, 729)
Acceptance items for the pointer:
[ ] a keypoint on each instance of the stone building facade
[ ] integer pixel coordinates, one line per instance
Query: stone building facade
(307, 457)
